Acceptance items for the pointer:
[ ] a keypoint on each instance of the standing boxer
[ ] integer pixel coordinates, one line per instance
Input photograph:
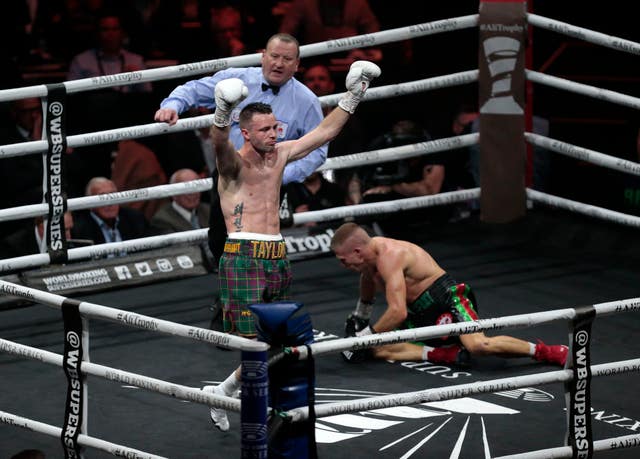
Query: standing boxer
(254, 267)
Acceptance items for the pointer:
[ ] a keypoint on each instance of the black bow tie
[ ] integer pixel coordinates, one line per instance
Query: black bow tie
(274, 88)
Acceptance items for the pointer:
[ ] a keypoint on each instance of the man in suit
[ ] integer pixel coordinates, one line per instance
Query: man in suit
(30, 240)
(112, 223)
(21, 176)
(109, 57)
(185, 212)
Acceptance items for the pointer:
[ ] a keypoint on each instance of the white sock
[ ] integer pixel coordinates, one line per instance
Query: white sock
(230, 385)
(425, 351)
(532, 349)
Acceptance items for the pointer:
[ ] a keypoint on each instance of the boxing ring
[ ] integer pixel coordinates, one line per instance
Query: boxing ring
(338, 406)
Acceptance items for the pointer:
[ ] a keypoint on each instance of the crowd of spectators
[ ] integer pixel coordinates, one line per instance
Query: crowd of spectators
(60, 40)
(54, 34)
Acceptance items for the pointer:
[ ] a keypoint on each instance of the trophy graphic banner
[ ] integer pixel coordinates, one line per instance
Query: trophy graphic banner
(502, 33)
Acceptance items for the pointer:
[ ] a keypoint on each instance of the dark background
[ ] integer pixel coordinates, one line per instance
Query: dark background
(602, 126)
(580, 120)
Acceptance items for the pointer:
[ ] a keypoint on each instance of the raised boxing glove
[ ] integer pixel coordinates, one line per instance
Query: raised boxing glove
(228, 94)
(360, 75)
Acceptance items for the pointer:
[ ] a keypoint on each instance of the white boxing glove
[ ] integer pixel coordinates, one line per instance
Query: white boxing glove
(360, 75)
(228, 94)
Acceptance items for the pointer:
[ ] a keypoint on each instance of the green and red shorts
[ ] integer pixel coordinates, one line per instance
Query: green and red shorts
(445, 301)
(251, 271)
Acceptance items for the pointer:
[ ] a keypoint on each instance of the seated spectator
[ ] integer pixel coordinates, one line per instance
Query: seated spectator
(419, 176)
(109, 57)
(404, 178)
(31, 239)
(111, 223)
(226, 30)
(314, 21)
(136, 166)
(185, 212)
(315, 193)
(20, 176)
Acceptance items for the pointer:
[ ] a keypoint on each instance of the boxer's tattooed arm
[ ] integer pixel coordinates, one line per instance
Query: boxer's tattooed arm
(237, 213)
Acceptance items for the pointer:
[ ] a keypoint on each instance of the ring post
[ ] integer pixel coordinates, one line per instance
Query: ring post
(253, 409)
(501, 85)
(578, 389)
(291, 382)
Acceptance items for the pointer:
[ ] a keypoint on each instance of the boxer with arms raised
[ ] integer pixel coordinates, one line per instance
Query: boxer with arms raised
(254, 268)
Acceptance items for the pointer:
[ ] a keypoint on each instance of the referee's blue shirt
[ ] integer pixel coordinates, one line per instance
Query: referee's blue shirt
(296, 108)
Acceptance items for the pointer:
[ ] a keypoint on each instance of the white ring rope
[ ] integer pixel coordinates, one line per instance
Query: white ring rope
(210, 66)
(179, 391)
(460, 328)
(110, 135)
(390, 36)
(120, 197)
(163, 191)
(458, 391)
(409, 87)
(134, 320)
(201, 235)
(190, 237)
(606, 444)
(583, 154)
(585, 209)
(401, 152)
(581, 33)
(203, 121)
(84, 440)
(584, 89)
(376, 208)
(212, 337)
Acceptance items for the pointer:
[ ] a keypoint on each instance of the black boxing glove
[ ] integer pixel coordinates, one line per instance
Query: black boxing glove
(354, 324)
(359, 355)
(356, 356)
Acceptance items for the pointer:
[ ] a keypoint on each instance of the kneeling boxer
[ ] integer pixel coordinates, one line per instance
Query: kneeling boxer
(419, 293)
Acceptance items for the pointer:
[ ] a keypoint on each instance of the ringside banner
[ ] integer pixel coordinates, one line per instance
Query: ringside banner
(158, 265)
(54, 186)
(305, 243)
(578, 390)
(72, 361)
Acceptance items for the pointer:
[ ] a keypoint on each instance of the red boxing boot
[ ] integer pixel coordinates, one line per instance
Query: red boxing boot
(556, 354)
(449, 354)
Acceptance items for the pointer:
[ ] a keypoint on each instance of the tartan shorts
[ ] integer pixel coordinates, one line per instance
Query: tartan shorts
(251, 272)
